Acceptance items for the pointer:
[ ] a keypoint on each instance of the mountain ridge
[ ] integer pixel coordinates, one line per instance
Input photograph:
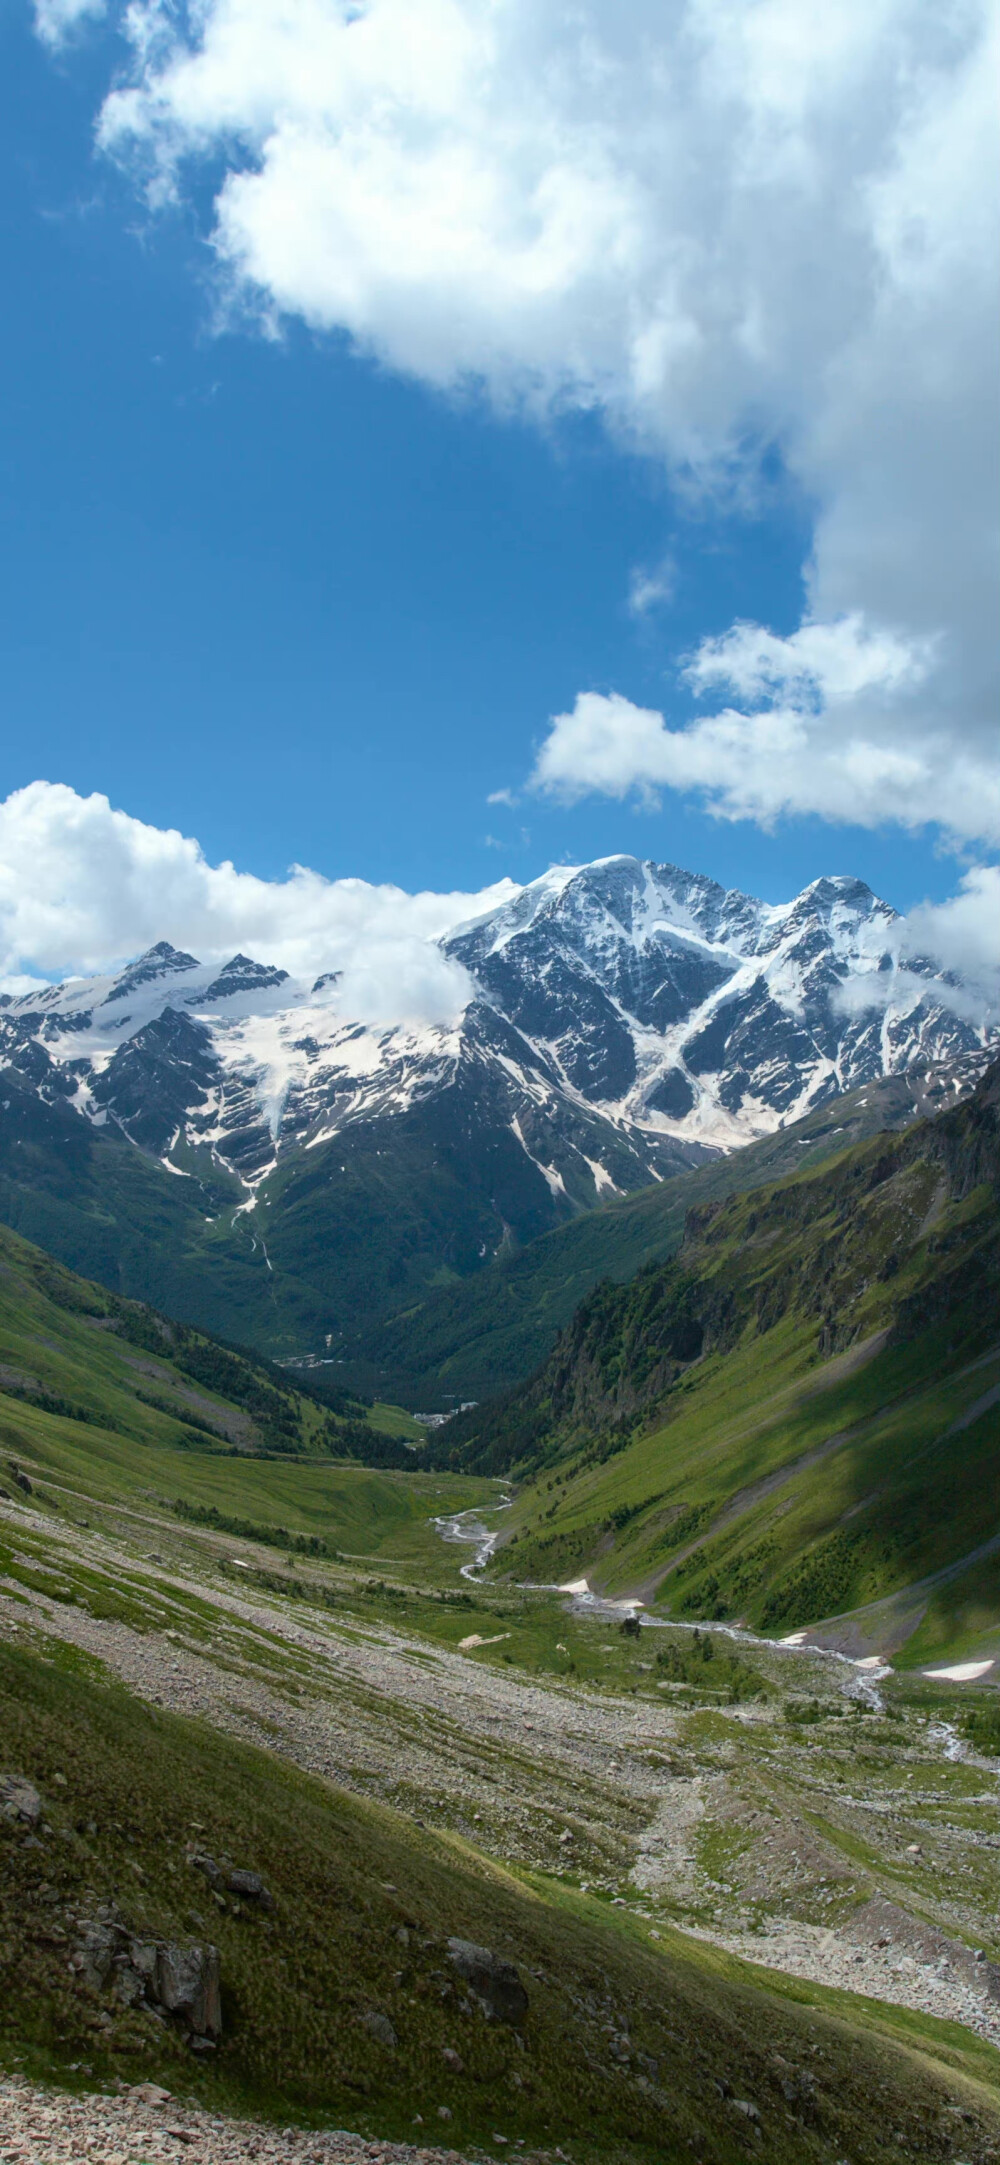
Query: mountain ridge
(626, 1021)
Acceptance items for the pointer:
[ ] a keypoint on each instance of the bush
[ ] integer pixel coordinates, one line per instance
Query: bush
(981, 1724)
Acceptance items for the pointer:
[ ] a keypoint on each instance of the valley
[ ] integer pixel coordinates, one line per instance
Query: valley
(831, 1827)
(691, 1743)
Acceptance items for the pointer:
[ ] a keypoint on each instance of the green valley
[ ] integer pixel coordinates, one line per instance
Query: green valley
(733, 1884)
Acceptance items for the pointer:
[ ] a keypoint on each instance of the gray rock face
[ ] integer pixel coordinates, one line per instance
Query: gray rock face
(703, 1009)
(183, 1980)
(493, 1982)
(188, 1984)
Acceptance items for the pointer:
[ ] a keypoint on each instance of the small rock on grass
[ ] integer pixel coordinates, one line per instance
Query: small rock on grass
(380, 2027)
(250, 1887)
(20, 1800)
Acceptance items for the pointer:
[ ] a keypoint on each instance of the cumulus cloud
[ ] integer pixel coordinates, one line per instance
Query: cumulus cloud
(964, 932)
(821, 666)
(768, 764)
(84, 887)
(817, 731)
(726, 224)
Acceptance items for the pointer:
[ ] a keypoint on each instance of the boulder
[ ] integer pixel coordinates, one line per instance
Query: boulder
(187, 1984)
(200, 1861)
(18, 1800)
(493, 1982)
(176, 1980)
(95, 1957)
(143, 1955)
(250, 1887)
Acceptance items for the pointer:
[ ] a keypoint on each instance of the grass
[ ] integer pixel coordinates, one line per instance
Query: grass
(64, 1338)
(791, 1424)
(364, 1904)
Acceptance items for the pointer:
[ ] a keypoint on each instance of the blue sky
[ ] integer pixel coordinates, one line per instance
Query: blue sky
(309, 604)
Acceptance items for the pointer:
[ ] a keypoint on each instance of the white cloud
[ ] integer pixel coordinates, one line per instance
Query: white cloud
(56, 20)
(768, 764)
(652, 586)
(822, 666)
(83, 887)
(964, 932)
(957, 936)
(826, 737)
(725, 223)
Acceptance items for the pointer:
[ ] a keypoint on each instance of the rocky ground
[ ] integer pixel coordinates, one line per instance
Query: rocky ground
(859, 1852)
(144, 2124)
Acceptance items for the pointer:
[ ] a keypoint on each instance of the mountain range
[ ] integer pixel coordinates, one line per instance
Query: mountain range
(228, 1141)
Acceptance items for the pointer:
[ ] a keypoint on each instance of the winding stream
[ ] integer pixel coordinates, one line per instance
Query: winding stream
(468, 1527)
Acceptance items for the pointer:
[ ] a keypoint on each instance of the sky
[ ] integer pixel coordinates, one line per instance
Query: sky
(442, 438)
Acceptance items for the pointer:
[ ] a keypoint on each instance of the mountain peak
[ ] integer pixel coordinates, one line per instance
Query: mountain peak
(242, 974)
(159, 961)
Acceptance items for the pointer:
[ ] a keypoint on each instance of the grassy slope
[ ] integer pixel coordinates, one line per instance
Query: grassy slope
(53, 1334)
(114, 1214)
(478, 1336)
(364, 1903)
(350, 1227)
(769, 1483)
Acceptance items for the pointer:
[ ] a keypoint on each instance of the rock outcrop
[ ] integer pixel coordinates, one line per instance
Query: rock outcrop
(182, 1980)
(492, 1981)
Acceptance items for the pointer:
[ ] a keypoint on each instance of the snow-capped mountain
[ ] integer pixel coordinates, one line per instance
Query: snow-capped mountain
(625, 1016)
(694, 1011)
(227, 1141)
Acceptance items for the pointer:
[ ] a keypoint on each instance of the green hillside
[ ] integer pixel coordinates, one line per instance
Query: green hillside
(112, 1401)
(339, 1234)
(795, 1419)
(474, 1337)
(339, 1999)
(106, 1209)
